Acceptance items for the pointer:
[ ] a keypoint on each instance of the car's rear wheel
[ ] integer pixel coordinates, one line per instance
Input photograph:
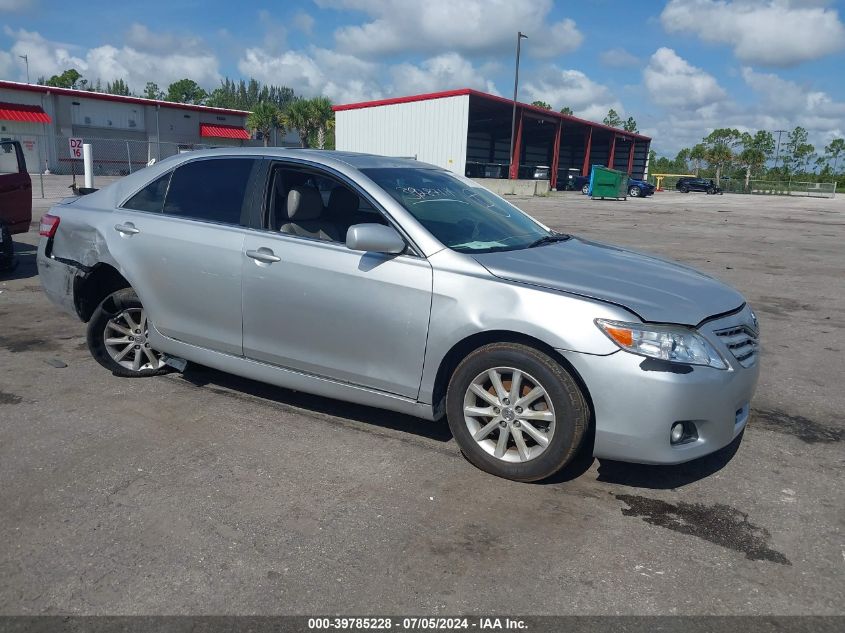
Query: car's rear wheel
(585, 189)
(515, 412)
(118, 337)
(634, 192)
(684, 189)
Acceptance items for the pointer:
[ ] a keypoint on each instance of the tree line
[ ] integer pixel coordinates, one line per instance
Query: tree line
(612, 119)
(272, 108)
(742, 155)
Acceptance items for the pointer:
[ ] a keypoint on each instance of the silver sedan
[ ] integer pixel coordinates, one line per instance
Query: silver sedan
(399, 285)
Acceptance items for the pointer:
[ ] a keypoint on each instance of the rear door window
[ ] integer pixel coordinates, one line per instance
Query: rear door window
(213, 190)
(151, 197)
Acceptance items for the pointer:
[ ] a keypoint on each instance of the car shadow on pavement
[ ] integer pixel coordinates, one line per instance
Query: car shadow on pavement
(665, 477)
(23, 263)
(235, 386)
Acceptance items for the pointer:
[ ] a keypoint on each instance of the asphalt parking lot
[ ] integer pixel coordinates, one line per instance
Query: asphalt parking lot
(204, 493)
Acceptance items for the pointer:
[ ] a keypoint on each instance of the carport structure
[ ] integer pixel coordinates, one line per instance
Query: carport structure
(469, 132)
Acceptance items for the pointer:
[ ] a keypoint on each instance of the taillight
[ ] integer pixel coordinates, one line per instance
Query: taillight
(49, 224)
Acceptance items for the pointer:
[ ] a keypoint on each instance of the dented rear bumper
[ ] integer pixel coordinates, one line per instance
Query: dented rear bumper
(58, 277)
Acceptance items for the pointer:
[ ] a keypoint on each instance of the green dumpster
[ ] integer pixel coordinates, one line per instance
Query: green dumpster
(608, 183)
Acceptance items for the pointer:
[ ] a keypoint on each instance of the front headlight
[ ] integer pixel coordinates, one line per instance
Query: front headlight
(675, 344)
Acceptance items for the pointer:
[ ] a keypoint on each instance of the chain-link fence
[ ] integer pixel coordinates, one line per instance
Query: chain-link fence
(781, 188)
(48, 154)
(763, 187)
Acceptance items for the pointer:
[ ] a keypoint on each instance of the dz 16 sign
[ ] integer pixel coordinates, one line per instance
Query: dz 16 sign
(75, 145)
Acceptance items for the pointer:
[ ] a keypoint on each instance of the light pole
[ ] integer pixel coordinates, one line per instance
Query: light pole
(777, 152)
(519, 37)
(26, 59)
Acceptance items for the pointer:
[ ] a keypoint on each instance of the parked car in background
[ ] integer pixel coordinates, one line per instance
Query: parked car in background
(685, 185)
(15, 198)
(534, 172)
(396, 284)
(639, 188)
(572, 180)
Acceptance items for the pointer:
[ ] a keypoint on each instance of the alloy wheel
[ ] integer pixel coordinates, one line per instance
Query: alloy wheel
(509, 414)
(125, 338)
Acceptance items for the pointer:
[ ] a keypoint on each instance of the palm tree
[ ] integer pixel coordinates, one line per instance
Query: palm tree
(263, 119)
(323, 118)
(299, 116)
(698, 154)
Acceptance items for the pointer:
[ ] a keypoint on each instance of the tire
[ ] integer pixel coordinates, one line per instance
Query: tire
(684, 189)
(585, 189)
(559, 416)
(122, 313)
(634, 192)
(7, 248)
(711, 191)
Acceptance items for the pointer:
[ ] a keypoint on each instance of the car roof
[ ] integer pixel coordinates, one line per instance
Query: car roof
(353, 159)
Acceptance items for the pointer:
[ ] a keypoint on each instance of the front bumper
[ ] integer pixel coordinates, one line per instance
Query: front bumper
(57, 278)
(636, 403)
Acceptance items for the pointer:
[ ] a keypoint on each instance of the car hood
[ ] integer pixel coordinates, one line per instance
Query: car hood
(657, 290)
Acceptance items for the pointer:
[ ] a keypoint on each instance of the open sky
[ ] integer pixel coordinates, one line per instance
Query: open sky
(680, 67)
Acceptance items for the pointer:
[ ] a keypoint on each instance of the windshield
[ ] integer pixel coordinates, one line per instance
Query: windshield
(457, 211)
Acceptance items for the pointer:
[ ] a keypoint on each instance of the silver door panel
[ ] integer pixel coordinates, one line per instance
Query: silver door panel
(356, 317)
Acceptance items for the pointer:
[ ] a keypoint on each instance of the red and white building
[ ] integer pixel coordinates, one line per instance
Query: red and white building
(469, 132)
(126, 132)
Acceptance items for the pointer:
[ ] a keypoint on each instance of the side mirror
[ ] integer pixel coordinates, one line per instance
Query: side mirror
(374, 238)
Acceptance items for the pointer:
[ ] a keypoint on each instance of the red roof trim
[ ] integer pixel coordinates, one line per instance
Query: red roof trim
(482, 95)
(223, 131)
(23, 112)
(85, 94)
(409, 99)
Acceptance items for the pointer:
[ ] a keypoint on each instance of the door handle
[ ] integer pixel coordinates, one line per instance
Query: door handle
(126, 229)
(264, 255)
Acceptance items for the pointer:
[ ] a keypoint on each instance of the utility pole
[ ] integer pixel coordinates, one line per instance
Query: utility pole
(777, 151)
(519, 37)
(26, 59)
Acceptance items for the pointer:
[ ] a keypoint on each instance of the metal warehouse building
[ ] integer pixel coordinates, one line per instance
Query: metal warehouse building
(126, 132)
(469, 132)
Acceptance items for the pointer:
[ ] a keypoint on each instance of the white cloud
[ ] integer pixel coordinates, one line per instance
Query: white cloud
(275, 32)
(346, 78)
(467, 26)
(619, 58)
(673, 82)
(15, 5)
(141, 38)
(442, 72)
(136, 63)
(304, 22)
(572, 88)
(766, 32)
(342, 78)
(780, 105)
(7, 68)
(790, 104)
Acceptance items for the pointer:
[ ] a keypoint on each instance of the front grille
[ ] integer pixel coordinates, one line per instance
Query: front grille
(743, 342)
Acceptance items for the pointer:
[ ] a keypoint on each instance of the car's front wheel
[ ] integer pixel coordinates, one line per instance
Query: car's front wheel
(684, 189)
(515, 412)
(634, 192)
(118, 337)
